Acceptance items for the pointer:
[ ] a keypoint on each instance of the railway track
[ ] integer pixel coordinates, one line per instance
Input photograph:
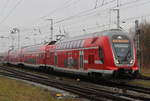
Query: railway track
(126, 87)
(84, 89)
(141, 77)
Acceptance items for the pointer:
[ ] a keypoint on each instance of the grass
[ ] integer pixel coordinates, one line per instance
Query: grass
(14, 90)
(143, 83)
(145, 71)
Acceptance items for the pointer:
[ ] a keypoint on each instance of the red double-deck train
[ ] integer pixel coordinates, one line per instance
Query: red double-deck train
(97, 54)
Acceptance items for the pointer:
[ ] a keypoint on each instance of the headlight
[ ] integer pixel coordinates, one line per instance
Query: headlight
(131, 61)
(116, 61)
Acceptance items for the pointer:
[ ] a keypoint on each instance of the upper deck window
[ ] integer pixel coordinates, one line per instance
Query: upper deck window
(75, 44)
(78, 44)
(71, 44)
(68, 44)
(65, 45)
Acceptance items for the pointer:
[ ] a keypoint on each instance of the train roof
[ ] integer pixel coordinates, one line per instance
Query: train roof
(110, 32)
(34, 48)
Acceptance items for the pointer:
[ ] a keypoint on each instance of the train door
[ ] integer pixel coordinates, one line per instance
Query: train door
(56, 59)
(81, 59)
(45, 58)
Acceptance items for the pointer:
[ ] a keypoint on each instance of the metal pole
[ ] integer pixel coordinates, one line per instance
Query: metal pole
(18, 39)
(12, 44)
(118, 18)
(51, 29)
(109, 18)
(137, 30)
(118, 15)
(14, 31)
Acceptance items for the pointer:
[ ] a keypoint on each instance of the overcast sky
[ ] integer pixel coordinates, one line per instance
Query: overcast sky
(73, 17)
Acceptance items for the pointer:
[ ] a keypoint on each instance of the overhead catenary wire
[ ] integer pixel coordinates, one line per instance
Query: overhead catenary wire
(103, 2)
(99, 26)
(67, 4)
(89, 10)
(137, 4)
(96, 2)
(112, 23)
(137, 17)
(77, 1)
(127, 3)
(120, 4)
(10, 12)
(92, 12)
(77, 15)
(4, 7)
(89, 13)
(81, 13)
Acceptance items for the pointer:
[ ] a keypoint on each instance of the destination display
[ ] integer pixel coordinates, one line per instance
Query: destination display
(120, 41)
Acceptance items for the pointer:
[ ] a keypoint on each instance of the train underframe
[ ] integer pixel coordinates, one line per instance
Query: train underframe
(117, 74)
(125, 73)
(121, 73)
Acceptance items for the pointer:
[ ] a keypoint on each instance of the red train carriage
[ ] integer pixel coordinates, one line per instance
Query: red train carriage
(109, 52)
(12, 57)
(33, 56)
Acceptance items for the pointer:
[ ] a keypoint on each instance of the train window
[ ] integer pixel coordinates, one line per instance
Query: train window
(71, 44)
(56, 60)
(74, 44)
(78, 44)
(65, 44)
(81, 44)
(81, 60)
(101, 55)
(68, 44)
(62, 45)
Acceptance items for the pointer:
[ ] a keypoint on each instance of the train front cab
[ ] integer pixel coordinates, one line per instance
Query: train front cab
(124, 56)
(117, 55)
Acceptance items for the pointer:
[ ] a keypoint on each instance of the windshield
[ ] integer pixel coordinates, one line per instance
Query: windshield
(121, 49)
